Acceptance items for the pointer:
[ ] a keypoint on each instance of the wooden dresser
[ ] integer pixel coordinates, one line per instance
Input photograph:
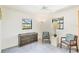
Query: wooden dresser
(26, 38)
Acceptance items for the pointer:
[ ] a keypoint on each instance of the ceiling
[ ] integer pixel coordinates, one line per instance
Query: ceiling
(37, 8)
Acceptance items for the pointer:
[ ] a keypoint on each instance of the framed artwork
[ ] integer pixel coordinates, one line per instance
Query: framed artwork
(26, 23)
(60, 22)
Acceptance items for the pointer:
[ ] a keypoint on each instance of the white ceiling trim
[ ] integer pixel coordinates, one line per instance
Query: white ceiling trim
(37, 8)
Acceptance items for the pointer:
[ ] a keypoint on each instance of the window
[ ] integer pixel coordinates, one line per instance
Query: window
(60, 22)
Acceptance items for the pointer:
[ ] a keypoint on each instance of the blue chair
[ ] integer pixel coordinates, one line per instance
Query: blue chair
(45, 36)
(70, 40)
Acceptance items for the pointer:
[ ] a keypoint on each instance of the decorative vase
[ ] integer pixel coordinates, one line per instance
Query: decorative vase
(55, 35)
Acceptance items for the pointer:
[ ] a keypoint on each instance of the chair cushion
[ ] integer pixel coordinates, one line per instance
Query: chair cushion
(69, 37)
(68, 43)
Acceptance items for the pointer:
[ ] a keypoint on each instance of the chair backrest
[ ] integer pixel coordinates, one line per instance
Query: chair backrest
(45, 33)
(69, 37)
(75, 37)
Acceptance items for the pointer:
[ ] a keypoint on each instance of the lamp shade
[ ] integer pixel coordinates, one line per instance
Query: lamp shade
(55, 25)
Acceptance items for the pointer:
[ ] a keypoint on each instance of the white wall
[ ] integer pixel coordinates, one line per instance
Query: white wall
(70, 21)
(0, 36)
(12, 26)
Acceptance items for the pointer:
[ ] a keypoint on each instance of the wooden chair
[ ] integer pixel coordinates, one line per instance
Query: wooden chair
(70, 40)
(46, 37)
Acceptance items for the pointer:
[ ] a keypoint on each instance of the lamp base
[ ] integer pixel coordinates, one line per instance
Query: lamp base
(55, 35)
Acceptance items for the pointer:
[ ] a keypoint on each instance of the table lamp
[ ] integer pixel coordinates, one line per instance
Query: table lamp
(55, 26)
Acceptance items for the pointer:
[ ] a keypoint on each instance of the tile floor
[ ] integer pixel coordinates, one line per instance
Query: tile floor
(37, 47)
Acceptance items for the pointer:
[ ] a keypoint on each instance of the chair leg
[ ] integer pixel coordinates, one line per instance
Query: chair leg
(60, 45)
(69, 49)
(42, 40)
(49, 41)
(77, 48)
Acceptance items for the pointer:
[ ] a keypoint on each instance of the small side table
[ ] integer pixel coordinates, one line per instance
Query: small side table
(54, 41)
(39, 39)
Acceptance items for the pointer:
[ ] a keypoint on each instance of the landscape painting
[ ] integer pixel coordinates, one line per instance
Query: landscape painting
(26, 23)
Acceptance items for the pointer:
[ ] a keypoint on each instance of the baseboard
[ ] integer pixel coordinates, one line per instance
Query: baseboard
(9, 47)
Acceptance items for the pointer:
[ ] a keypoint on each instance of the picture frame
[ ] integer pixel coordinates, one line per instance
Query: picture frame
(60, 21)
(26, 23)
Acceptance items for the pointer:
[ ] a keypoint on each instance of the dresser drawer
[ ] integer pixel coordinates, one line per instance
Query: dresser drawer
(27, 38)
